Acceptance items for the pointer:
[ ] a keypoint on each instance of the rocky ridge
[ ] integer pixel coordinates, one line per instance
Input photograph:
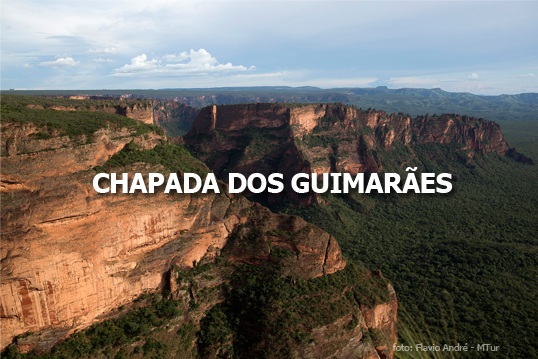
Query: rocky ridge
(175, 117)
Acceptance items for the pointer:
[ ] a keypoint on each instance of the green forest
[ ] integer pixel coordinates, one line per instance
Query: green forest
(82, 122)
(464, 264)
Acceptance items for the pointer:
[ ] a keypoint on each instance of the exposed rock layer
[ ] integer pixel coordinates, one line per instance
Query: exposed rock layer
(27, 159)
(321, 138)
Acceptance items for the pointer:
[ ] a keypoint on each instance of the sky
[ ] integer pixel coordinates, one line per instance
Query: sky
(480, 47)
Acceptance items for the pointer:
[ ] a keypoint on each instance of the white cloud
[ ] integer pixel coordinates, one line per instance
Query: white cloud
(105, 51)
(473, 76)
(138, 64)
(26, 65)
(193, 62)
(527, 75)
(62, 61)
(103, 60)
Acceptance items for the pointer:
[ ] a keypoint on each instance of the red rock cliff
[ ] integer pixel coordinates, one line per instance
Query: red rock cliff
(71, 255)
(292, 138)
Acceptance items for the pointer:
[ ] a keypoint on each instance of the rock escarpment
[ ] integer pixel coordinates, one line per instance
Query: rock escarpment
(71, 255)
(171, 115)
(321, 138)
(137, 111)
(175, 117)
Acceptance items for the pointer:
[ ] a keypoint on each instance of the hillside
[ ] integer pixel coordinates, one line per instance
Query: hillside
(174, 117)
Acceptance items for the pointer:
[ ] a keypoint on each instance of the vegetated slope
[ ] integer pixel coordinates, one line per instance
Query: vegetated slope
(522, 135)
(409, 100)
(229, 310)
(137, 109)
(464, 264)
(176, 118)
(71, 256)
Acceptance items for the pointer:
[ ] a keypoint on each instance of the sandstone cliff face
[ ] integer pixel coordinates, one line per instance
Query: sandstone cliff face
(171, 111)
(71, 255)
(91, 253)
(28, 159)
(46, 280)
(323, 138)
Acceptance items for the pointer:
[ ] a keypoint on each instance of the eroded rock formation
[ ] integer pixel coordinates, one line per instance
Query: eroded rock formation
(26, 159)
(321, 138)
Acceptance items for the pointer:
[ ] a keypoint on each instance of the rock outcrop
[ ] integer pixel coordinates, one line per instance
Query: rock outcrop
(355, 324)
(70, 255)
(137, 111)
(175, 117)
(321, 138)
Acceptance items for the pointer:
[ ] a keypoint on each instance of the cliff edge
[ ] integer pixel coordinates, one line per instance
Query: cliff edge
(292, 138)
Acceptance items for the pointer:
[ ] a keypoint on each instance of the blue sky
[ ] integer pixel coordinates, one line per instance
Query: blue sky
(479, 47)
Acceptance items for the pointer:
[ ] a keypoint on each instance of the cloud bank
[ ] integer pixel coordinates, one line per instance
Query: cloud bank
(193, 62)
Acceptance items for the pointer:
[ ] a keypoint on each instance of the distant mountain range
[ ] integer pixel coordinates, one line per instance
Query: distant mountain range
(406, 100)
